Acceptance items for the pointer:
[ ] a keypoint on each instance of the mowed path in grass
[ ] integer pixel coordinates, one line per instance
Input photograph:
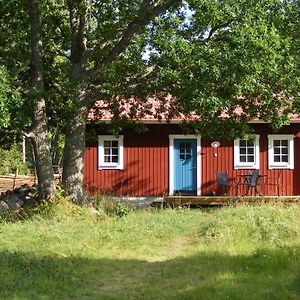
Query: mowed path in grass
(229, 253)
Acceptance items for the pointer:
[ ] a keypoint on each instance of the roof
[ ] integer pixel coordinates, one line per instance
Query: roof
(153, 110)
(150, 110)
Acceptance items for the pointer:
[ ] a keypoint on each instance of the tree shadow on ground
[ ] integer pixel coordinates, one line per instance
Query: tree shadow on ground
(267, 274)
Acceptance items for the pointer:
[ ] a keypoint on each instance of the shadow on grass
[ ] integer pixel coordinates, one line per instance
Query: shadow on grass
(265, 275)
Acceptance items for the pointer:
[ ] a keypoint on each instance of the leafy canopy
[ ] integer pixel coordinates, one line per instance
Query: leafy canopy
(10, 99)
(232, 57)
(239, 57)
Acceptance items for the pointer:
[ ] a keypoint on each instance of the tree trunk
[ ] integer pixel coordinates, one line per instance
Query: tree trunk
(72, 176)
(44, 169)
(82, 71)
(41, 143)
(56, 152)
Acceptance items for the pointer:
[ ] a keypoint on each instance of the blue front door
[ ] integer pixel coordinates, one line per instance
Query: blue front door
(185, 166)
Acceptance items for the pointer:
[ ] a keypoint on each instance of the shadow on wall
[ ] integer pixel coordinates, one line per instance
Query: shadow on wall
(210, 188)
(267, 274)
(135, 180)
(237, 187)
(119, 187)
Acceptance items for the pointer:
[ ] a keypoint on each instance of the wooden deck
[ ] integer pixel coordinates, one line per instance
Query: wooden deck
(175, 201)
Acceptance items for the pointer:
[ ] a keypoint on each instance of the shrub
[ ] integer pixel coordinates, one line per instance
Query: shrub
(11, 160)
(109, 205)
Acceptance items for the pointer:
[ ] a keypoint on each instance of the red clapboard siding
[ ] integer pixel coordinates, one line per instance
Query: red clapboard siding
(146, 163)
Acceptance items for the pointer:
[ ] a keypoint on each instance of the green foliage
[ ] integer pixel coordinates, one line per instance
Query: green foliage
(10, 98)
(46, 209)
(243, 57)
(109, 205)
(11, 160)
(229, 57)
(121, 210)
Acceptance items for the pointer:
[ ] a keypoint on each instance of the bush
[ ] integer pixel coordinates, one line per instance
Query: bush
(109, 205)
(11, 160)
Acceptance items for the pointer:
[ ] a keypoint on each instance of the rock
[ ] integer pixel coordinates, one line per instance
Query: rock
(94, 211)
(33, 190)
(20, 193)
(3, 207)
(30, 202)
(14, 202)
(25, 188)
(2, 196)
(24, 196)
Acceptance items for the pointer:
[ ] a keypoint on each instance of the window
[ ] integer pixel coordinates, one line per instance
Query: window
(110, 152)
(281, 151)
(246, 153)
(185, 151)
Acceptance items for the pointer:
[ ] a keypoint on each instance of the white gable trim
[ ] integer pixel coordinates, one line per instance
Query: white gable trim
(155, 121)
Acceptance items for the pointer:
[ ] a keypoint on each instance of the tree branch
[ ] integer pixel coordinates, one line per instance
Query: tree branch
(92, 50)
(56, 86)
(78, 16)
(93, 95)
(147, 13)
(26, 89)
(214, 30)
(37, 70)
(59, 53)
(28, 134)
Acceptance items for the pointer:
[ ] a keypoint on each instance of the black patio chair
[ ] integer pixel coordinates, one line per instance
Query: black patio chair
(252, 181)
(276, 182)
(223, 181)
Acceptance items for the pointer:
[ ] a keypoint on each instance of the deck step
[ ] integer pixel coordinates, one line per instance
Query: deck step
(224, 201)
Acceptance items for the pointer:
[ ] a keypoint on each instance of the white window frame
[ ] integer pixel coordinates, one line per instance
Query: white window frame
(281, 165)
(102, 165)
(246, 165)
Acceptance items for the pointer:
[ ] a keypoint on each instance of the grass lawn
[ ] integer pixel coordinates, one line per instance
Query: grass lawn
(247, 252)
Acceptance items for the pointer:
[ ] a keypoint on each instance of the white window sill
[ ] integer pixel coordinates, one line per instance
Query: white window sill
(110, 167)
(288, 167)
(240, 167)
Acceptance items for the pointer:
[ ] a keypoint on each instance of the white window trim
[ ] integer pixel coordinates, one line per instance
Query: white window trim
(107, 166)
(172, 137)
(246, 165)
(281, 165)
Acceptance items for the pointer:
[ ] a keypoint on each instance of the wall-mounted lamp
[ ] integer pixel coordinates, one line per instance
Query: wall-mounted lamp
(215, 144)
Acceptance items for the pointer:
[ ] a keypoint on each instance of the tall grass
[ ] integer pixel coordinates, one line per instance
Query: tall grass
(228, 253)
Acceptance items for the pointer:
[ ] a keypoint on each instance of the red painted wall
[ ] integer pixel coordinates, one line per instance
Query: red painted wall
(146, 163)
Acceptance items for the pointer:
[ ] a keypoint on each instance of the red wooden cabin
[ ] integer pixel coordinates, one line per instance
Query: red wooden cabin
(163, 161)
